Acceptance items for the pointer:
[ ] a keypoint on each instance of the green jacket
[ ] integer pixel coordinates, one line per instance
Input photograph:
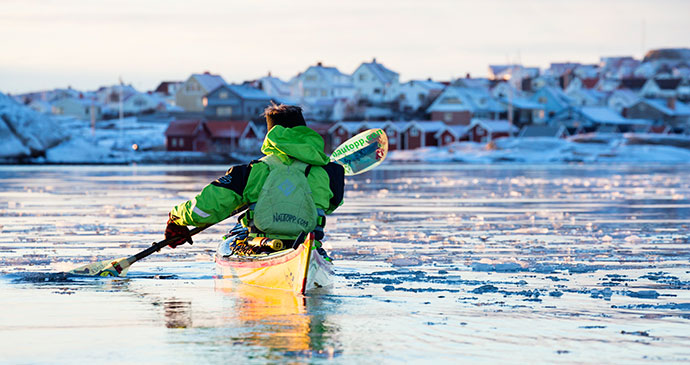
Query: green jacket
(241, 184)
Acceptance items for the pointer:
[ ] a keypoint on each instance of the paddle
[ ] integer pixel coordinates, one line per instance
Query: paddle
(358, 154)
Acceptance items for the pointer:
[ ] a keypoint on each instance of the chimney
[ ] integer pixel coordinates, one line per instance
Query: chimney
(319, 64)
(467, 76)
(269, 73)
(206, 73)
(671, 103)
(374, 60)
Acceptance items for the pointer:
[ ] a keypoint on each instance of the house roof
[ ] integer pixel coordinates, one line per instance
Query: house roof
(248, 92)
(522, 103)
(602, 115)
(164, 87)
(542, 131)
(590, 83)
(208, 81)
(383, 74)
(471, 99)
(182, 128)
(494, 125)
(662, 106)
(426, 84)
(226, 129)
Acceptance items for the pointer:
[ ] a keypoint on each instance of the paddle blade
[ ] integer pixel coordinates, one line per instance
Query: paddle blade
(362, 152)
(117, 267)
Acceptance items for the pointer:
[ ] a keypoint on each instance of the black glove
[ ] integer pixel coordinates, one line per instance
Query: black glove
(175, 231)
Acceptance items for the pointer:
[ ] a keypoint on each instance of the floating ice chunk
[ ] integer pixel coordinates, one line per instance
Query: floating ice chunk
(532, 230)
(633, 239)
(607, 238)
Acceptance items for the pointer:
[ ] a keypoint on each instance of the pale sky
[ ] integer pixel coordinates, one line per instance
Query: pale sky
(46, 44)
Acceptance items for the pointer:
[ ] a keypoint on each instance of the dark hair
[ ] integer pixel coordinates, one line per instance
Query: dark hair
(286, 115)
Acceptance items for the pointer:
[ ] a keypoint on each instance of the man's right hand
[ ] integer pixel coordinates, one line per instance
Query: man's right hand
(181, 233)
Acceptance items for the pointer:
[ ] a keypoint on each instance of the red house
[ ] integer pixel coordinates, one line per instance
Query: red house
(393, 132)
(187, 135)
(342, 131)
(225, 135)
(487, 130)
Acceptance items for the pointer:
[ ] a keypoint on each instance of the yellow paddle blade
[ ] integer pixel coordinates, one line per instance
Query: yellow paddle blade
(117, 267)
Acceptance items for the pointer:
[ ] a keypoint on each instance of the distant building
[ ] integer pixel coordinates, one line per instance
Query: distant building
(234, 136)
(274, 87)
(488, 130)
(416, 94)
(79, 108)
(553, 100)
(320, 82)
(661, 88)
(375, 82)
(663, 111)
(190, 95)
(621, 99)
(235, 102)
(187, 135)
(458, 105)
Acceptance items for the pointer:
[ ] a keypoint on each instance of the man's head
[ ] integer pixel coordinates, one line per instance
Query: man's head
(286, 115)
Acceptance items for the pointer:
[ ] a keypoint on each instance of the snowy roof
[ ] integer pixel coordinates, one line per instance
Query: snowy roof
(559, 96)
(458, 130)
(494, 125)
(662, 106)
(182, 128)
(281, 86)
(427, 126)
(209, 82)
(349, 126)
(426, 84)
(542, 131)
(629, 97)
(248, 92)
(456, 98)
(226, 129)
(522, 103)
(603, 115)
(382, 73)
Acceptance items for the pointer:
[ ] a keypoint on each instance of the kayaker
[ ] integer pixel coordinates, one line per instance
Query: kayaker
(288, 191)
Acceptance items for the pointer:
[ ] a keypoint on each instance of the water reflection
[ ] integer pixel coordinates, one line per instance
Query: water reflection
(178, 313)
(282, 322)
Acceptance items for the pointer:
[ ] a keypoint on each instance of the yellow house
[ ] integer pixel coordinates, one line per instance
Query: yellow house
(189, 96)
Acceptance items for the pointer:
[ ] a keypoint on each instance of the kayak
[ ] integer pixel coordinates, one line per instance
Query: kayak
(296, 270)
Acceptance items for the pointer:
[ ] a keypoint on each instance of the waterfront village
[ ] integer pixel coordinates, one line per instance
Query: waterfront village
(204, 113)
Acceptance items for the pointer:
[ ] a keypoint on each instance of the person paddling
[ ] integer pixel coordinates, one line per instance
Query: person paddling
(288, 192)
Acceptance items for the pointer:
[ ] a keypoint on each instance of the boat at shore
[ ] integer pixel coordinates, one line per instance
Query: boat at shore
(298, 270)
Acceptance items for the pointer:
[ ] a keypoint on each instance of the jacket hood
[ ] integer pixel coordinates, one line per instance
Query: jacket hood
(301, 143)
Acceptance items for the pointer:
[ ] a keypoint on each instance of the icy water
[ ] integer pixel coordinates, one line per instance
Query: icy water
(434, 263)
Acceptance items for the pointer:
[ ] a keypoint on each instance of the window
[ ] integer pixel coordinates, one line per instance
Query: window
(542, 100)
(310, 78)
(362, 77)
(324, 92)
(414, 132)
(448, 117)
(447, 139)
(139, 102)
(86, 110)
(180, 142)
(377, 91)
(223, 95)
(541, 114)
(173, 142)
(224, 111)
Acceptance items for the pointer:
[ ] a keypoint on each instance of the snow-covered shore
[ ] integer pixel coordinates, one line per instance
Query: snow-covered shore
(546, 150)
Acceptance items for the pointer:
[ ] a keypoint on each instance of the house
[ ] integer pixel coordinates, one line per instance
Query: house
(374, 82)
(41, 106)
(320, 82)
(488, 130)
(233, 136)
(190, 94)
(586, 97)
(553, 100)
(236, 102)
(417, 134)
(633, 83)
(416, 94)
(661, 88)
(274, 87)
(589, 116)
(557, 131)
(167, 90)
(458, 105)
(522, 111)
(138, 103)
(618, 67)
(80, 108)
(512, 72)
(187, 135)
(621, 99)
(669, 112)
(342, 131)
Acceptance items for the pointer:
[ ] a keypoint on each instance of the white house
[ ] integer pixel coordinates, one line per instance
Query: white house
(274, 87)
(458, 105)
(375, 82)
(319, 82)
(621, 99)
(143, 102)
(80, 108)
(415, 94)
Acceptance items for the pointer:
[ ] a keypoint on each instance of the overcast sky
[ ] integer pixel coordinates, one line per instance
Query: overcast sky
(88, 43)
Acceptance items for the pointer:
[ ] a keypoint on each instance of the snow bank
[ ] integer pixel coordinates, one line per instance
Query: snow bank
(24, 132)
(545, 150)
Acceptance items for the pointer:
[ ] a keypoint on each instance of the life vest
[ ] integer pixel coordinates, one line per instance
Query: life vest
(285, 206)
